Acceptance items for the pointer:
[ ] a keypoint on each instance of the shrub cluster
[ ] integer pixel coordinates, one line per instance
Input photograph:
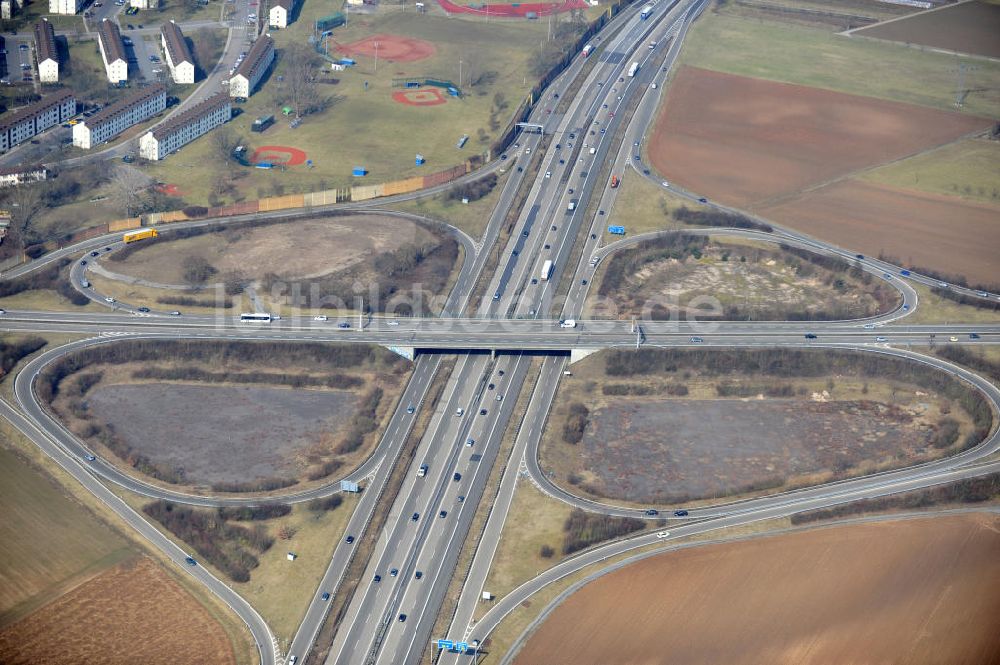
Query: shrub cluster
(576, 423)
(52, 277)
(324, 504)
(741, 390)
(583, 529)
(473, 190)
(963, 299)
(264, 511)
(970, 358)
(229, 547)
(969, 490)
(634, 389)
(719, 218)
(258, 485)
(192, 373)
(364, 421)
(669, 246)
(188, 301)
(11, 352)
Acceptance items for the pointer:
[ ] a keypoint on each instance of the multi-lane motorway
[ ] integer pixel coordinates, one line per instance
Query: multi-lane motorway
(391, 614)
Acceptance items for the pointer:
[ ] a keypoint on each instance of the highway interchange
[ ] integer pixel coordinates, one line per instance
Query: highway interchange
(519, 314)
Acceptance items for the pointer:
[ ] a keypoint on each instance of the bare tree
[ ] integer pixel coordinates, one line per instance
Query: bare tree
(126, 184)
(25, 202)
(299, 87)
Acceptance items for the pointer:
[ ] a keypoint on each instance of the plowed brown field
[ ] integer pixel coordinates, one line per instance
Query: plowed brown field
(743, 140)
(133, 613)
(948, 233)
(909, 591)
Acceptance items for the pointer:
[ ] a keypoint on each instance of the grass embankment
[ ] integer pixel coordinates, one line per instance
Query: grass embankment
(934, 308)
(471, 217)
(816, 57)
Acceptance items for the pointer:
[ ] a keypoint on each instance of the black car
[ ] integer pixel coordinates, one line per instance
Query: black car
(394, 572)
(443, 513)
(680, 513)
(593, 236)
(378, 578)
(547, 246)
(973, 335)
(326, 595)
(482, 412)
(84, 262)
(553, 227)
(583, 282)
(810, 335)
(859, 256)
(93, 253)
(703, 200)
(520, 169)
(491, 386)
(350, 539)
(190, 561)
(402, 618)
(534, 280)
(143, 309)
(652, 512)
(559, 146)
(415, 517)
(418, 575)
(457, 477)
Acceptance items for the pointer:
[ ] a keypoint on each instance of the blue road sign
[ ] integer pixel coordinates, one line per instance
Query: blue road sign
(446, 644)
(617, 230)
(462, 647)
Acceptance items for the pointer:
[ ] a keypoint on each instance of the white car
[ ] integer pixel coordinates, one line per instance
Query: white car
(321, 318)
(665, 183)
(662, 534)
(869, 326)
(109, 299)
(548, 174)
(392, 323)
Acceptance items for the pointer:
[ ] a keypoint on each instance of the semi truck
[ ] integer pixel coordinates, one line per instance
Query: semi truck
(633, 69)
(646, 12)
(546, 269)
(588, 49)
(141, 234)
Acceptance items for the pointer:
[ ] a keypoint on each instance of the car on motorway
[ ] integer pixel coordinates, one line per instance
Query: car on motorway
(93, 253)
(321, 318)
(325, 596)
(89, 458)
(292, 660)
(377, 579)
(880, 338)
(415, 517)
(402, 618)
(349, 540)
(982, 294)
(546, 246)
(143, 310)
(394, 572)
(84, 262)
(662, 534)
(491, 386)
(461, 498)
(443, 513)
(583, 282)
(702, 200)
(459, 412)
(973, 335)
(548, 174)
(418, 574)
(810, 335)
(499, 398)
(665, 183)
(109, 299)
(343, 325)
(175, 313)
(943, 285)
(410, 409)
(869, 326)
(697, 340)
(457, 477)
(953, 338)
(190, 561)
(651, 512)
(680, 513)
(392, 323)
(482, 412)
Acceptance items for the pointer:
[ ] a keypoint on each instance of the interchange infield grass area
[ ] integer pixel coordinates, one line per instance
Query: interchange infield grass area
(240, 417)
(692, 425)
(368, 127)
(315, 265)
(918, 591)
(670, 276)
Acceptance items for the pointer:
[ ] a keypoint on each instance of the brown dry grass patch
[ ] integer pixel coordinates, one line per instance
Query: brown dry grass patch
(912, 591)
(132, 613)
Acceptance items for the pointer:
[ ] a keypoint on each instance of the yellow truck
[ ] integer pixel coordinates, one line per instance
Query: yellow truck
(140, 234)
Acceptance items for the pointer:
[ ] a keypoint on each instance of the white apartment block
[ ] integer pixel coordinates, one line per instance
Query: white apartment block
(253, 68)
(8, 9)
(178, 55)
(46, 52)
(115, 119)
(20, 125)
(145, 4)
(109, 39)
(281, 13)
(200, 119)
(20, 175)
(64, 6)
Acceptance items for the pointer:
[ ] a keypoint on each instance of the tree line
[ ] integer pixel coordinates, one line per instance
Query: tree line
(53, 277)
(13, 350)
(582, 529)
(194, 373)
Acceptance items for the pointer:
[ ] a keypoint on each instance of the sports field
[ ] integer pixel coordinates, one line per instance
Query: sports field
(967, 27)
(916, 591)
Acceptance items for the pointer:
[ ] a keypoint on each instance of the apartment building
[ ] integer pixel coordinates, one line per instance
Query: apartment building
(179, 59)
(253, 68)
(46, 52)
(109, 40)
(65, 6)
(145, 4)
(200, 119)
(114, 119)
(22, 174)
(281, 13)
(20, 125)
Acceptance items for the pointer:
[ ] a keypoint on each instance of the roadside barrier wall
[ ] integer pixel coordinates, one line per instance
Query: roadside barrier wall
(281, 203)
(124, 224)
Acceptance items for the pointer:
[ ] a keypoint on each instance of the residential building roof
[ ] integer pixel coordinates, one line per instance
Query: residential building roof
(45, 41)
(176, 44)
(135, 99)
(284, 4)
(14, 117)
(197, 111)
(111, 38)
(255, 58)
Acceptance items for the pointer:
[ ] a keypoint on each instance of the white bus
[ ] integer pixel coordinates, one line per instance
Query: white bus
(255, 317)
(546, 270)
(646, 12)
(633, 69)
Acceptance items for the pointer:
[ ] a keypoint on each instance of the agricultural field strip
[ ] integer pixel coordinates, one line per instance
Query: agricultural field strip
(492, 619)
(72, 465)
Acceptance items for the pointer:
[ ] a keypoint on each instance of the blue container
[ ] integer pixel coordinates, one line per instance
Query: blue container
(359, 171)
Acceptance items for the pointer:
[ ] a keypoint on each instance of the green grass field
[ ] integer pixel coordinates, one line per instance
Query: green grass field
(48, 541)
(642, 207)
(368, 128)
(969, 169)
(817, 57)
(471, 218)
